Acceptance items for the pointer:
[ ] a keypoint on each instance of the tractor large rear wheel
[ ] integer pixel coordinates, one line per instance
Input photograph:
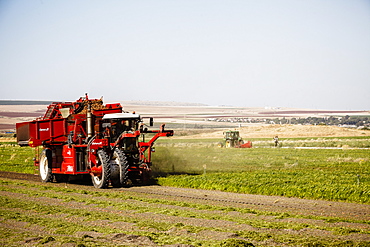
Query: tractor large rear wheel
(101, 181)
(45, 166)
(119, 165)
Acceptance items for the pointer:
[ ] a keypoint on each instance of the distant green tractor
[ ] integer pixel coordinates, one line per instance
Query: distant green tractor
(233, 140)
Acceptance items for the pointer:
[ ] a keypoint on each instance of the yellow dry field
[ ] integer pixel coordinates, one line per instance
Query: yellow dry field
(284, 131)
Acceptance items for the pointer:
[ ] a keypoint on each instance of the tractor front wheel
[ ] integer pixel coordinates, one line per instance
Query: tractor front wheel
(101, 181)
(119, 165)
(46, 160)
(228, 144)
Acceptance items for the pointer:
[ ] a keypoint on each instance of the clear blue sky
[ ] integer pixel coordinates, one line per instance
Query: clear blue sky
(285, 53)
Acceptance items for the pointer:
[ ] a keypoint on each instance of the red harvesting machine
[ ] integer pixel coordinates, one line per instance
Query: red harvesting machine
(86, 137)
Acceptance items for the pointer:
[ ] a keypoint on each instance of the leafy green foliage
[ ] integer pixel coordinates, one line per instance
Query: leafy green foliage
(330, 174)
(104, 211)
(232, 242)
(16, 159)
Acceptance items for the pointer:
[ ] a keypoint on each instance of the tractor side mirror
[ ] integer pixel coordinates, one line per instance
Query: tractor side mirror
(151, 122)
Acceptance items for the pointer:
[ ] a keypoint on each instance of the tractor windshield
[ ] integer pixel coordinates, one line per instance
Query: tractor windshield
(232, 135)
(115, 124)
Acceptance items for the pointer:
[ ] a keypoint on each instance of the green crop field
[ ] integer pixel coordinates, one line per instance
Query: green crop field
(16, 159)
(331, 174)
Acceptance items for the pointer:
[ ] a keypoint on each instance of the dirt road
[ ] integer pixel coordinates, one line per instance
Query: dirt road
(155, 215)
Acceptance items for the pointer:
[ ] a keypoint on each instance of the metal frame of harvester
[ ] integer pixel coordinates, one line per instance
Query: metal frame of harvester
(87, 137)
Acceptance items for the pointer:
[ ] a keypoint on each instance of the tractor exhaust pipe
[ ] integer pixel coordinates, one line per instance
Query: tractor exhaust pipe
(89, 122)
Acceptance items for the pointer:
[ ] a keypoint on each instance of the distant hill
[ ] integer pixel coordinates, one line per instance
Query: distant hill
(161, 103)
(24, 102)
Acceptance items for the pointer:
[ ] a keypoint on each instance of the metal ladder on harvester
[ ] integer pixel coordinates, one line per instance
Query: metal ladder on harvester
(49, 112)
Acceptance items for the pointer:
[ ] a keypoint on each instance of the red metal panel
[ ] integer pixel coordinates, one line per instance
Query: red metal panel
(44, 130)
(99, 143)
(47, 130)
(246, 145)
(33, 128)
(58, 128)
(69, 160)
(23, 133)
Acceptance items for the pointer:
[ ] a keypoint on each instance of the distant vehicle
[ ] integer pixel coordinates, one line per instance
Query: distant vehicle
(232, 139)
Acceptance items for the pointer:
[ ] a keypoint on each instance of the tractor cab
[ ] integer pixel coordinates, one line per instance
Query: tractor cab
(232, 135)
(115, 124)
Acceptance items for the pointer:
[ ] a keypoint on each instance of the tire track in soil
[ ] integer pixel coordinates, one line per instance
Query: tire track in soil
(263, 203)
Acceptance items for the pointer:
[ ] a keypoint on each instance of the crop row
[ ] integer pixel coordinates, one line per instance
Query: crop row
(163, 221)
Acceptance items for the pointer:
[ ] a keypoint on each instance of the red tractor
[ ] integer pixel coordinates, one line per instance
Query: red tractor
(86, 137)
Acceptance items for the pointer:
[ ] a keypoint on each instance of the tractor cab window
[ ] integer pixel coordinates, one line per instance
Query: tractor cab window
(227, 135)
(115, 124)
(115, 127)
(232, 135)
